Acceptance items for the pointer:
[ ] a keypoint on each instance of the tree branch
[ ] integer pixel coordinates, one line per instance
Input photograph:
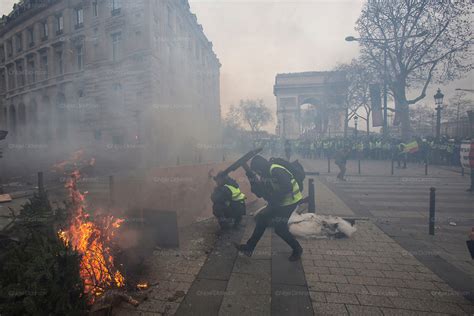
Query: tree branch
(423, 92)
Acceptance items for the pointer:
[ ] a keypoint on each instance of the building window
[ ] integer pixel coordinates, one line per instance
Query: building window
(31, 71)
(117, 87)
(44, 66)
(12, 118)
(80, 57)
(9, 48)
(59, 63)
(2, 53)
(19, 43)
(59, 24)
(3, 81)
(118, 140)
(44, 30)
(170, 17)
(21, 74)
(116, 39)
(97, 134)
(95, 8)
(31, 37)
(116, 7)
(79, 18)
(11, 77)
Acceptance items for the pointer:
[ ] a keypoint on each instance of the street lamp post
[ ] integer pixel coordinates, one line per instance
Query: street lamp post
(356, 120)
(439, 106)
(385, 117)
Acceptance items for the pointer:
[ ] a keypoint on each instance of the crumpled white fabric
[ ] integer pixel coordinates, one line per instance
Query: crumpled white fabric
(309, 225)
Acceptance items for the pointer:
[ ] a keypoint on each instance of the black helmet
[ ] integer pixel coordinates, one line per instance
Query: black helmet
(260, 164)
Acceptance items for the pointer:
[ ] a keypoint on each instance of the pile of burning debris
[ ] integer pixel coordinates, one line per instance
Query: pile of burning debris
(93, 240)
(94, 237)
(90, 237)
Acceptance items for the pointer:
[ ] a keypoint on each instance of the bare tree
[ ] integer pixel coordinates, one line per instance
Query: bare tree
(422, 119)
(458, 107)
(359, 78)
(425, 41)
(232, 119)
(254, 113)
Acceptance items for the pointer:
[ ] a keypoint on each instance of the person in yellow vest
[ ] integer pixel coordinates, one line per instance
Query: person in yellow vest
(378, 149)
(278, 186)
(402, 156)
(228, 202)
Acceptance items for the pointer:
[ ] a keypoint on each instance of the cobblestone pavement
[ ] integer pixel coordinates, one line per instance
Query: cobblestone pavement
(367, 274)
(370, 274)
(248, 290)
(172, 272)
(399, 205)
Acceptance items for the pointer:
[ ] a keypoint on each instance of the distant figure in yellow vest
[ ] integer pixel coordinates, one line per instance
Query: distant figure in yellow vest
(279, 187)
(228, 202)
(402, 156)
(340, 160)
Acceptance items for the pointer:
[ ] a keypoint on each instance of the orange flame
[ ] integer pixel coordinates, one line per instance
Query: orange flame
(74, 159)
(92, 239)
(142, 286)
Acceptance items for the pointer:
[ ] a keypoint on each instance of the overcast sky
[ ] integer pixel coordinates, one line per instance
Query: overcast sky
(256, 39)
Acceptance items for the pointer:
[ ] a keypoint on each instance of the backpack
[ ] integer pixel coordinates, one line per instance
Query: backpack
(294, 167)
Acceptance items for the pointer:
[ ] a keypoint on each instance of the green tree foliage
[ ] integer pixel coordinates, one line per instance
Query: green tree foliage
(39, 275)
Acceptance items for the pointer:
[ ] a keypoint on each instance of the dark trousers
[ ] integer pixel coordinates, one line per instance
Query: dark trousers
(276, 216)
(402, 158)
(230, 215)
(342, 172)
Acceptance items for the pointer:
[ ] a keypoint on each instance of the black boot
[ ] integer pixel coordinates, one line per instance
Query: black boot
(296, 254)
(245, 249)
(237, 222)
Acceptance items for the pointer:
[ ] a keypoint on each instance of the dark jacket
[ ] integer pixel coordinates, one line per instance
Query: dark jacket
(263, 187)
(222, 196)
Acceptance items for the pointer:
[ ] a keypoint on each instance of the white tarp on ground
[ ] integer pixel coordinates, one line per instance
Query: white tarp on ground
(309, 225)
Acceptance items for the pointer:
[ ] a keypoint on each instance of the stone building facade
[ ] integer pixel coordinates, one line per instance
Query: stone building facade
(135, 78)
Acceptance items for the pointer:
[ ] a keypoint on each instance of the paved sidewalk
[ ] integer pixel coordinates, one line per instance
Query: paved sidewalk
(367, 274)
(370, 274)
(399, 206)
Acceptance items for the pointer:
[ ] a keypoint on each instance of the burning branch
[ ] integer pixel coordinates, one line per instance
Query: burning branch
(92, 239)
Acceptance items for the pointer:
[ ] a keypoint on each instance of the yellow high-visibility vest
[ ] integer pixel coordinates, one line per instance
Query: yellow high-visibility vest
(293, 197)
(237, 195)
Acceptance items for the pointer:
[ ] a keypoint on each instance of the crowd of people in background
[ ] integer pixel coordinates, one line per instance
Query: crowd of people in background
(419, 150)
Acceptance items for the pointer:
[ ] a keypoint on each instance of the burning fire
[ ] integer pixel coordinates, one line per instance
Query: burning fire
(142, 286)
(92, 239)
(75, 157)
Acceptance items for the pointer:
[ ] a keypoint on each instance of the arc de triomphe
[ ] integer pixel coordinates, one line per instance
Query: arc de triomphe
(322, 91)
